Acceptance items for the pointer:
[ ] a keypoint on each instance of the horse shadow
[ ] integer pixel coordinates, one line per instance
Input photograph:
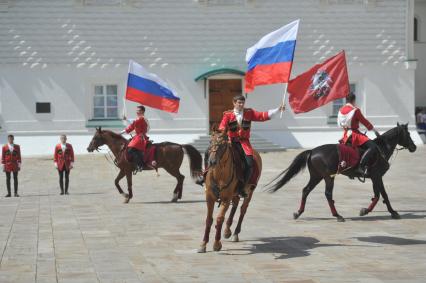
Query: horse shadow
(284, 247)
(168, 202)
(388, 240)
(408, 215)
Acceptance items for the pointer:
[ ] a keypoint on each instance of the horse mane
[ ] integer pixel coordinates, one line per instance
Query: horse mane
(387, 135)
(115, 135)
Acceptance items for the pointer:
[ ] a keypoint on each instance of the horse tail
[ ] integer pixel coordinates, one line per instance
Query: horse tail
(298, 164)
(195, 160)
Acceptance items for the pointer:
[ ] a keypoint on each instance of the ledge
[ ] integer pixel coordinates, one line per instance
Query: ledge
(105, 123)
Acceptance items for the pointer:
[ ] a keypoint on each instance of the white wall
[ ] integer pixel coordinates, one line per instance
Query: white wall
(54, 51)
(420, 53)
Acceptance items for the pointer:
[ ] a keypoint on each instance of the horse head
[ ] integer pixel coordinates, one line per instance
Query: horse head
(404, 138)
(97, 140)
(218, 145)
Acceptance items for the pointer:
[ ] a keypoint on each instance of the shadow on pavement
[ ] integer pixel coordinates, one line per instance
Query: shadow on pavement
(391, 240)
(285, 247)
(387, 217)
(168, 202)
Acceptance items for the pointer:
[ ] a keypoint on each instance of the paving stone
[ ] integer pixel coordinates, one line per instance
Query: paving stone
(91, 236)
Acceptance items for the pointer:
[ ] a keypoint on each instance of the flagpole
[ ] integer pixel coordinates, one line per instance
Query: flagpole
(284, 99)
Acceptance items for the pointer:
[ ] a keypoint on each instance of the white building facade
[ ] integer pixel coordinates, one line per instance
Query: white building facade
(63, 64)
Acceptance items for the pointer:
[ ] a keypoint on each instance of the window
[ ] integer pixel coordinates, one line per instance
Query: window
(337, 104)
(416, 29)
(105, 104)
(42, 107)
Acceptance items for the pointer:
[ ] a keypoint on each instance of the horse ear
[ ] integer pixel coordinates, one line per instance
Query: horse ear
(100, 129)
(214, 127)
(397, 123)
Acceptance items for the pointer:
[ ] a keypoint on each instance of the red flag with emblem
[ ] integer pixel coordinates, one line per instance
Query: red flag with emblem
(320, 85)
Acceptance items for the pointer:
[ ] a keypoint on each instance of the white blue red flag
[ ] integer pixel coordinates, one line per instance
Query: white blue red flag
(271, 58)
(148, 89)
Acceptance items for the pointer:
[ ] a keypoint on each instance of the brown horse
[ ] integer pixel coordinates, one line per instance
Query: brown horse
(168, 156)
(222, 185)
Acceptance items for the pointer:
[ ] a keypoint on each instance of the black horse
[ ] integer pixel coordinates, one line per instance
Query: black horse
(323, 162)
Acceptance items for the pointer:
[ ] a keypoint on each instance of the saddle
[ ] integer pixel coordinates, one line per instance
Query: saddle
(149, 157)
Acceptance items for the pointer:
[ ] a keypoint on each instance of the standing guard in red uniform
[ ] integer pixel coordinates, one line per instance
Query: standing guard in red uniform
(137, 145)
(11, 160)
(64, 162)
(349, 118)
(237, 124)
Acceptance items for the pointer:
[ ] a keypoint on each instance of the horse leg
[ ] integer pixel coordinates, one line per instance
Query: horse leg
(217, 246)
(313, 181)
(329, 185)
(227, 233)
(209, 221)
(386, 201)
(177, 193)
(243, 211)
(374, 200)
(128, 196)
(120, 176)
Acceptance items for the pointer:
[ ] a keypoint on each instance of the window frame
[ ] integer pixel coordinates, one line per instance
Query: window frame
(332, 118)
(416, 31)
(104, 95)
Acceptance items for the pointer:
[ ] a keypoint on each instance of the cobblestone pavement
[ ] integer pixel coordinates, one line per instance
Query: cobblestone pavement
(91, 236)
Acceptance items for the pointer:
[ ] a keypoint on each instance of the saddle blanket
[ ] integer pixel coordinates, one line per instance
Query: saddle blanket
(348, 157)
(149, 156)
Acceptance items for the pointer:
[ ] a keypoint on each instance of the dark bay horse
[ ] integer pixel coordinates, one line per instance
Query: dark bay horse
(323, 163)
(222, 183)
(168, 156)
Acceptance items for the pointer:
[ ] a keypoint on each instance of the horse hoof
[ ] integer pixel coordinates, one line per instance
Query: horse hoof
(227, 234)
(217, 246)
(202, 250)
(340, 219)
(126, 200)
(296, 215)
(363, 211)
(395, 215)
(174, 199)
(235, 238)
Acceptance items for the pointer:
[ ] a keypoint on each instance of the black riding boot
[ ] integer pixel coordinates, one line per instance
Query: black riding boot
(363, 167)
(248, 171)
(8, 185)
(15, 183)
(137, 158)
(202, 178)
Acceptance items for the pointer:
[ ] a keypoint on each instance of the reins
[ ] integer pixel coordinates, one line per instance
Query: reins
(233, 171)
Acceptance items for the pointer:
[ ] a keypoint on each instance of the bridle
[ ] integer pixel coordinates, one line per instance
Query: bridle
(220, 149)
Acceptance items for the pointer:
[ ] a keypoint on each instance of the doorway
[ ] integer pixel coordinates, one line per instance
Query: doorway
(221, 92)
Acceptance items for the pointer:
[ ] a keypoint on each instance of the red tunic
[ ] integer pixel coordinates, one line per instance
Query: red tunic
(140, 126)
(358, 138)
(11, 160)
(64, 158)
(241, 132)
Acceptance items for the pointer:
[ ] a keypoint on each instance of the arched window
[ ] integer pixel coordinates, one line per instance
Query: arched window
(416, 29)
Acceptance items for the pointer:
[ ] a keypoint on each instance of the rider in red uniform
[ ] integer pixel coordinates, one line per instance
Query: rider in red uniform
(11, 161)
(237, 124)
(349, 118)
(137, 145)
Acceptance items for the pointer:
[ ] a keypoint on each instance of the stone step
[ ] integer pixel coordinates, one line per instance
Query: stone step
(259, 143)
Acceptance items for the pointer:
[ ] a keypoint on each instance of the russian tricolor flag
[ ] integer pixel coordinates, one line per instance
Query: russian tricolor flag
(271, 58)
(148, 89)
